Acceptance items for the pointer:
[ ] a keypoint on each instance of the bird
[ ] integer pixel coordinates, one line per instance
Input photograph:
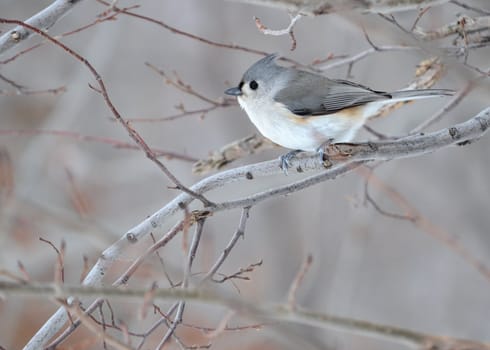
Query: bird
(304, 111)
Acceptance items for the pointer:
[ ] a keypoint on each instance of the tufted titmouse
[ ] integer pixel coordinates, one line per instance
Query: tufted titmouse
(303, 111)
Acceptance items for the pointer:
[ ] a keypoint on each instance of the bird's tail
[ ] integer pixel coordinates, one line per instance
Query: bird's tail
(374, 109)
(407, 95)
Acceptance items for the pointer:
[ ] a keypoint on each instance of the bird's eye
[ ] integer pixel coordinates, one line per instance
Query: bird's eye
(253, 85)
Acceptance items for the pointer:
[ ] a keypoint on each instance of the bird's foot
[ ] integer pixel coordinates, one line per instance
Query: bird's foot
(286, 160)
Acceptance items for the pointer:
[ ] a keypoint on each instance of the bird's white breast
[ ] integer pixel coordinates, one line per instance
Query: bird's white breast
(281, 126)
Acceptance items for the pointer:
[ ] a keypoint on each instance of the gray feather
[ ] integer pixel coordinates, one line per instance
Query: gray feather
(415, 94)
(264, 69)
(311, 94)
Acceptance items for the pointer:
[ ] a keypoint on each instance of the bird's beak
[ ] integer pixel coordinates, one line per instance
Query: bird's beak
(234, 91)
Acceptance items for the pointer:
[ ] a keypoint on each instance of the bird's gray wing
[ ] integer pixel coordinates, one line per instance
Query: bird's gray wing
(309, 94)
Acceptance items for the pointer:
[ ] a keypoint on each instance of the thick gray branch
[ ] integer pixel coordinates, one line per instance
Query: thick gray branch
(43, 20)
(320, 7)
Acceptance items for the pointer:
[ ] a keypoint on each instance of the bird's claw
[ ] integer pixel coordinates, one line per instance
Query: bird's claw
(286, 160)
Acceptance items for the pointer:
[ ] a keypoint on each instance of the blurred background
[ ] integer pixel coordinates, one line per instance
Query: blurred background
(366, 265)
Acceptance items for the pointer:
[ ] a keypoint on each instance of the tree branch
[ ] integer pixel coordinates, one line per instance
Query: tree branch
(185, 283)
(43, 20)
(321, 7)
(262, 313)
(240, 232)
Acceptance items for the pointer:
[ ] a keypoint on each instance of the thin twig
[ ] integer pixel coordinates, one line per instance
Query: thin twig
(206, 330)
(185, 282)
(124, 278)
(460, 27)
(289, 30)
(97, 139)
(298, 279)
(27, 92)
(100, 19)
(422, 12)
(23, 270)
(73, 326)
(221, 325)
(147, 301)
(17, 86)
(160, 258)
(164, 319)
(391, 19)
(239, 233)
(102, 323)
(411, 214)
(9, 274)
(469, 7)
(93, 327)
(59, 275)
(180, 85)
(85, 269)
(363, 54)
(199, 38)
(202, 112)
(239, 274)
